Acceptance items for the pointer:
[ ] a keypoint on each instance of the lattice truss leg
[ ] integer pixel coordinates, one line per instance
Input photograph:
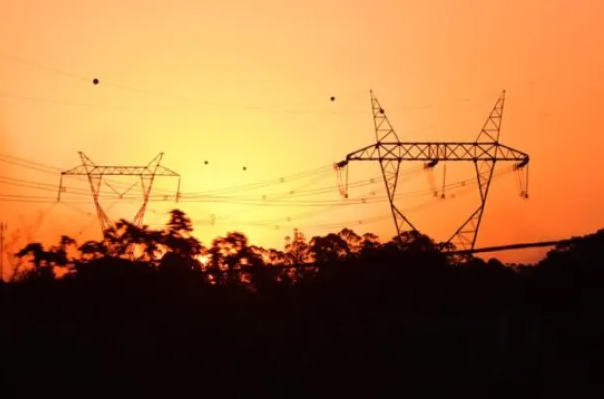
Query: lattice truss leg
(465, 236)
(147, 185)
(390, 168)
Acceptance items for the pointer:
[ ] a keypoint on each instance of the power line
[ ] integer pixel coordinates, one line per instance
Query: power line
(213, 193)
(510, 247)
(248, 200)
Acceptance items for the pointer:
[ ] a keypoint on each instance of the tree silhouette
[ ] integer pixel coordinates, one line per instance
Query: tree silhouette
(329, 248)
(46, 261)
(233, 256)
(181, 250)
(369, 243)
(353, 241)
(92, 250)
(297, 249)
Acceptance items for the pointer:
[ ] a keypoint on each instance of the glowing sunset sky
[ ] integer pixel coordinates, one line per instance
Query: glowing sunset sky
(248, 83)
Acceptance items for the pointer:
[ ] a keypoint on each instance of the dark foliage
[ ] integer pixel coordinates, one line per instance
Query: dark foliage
(156, 312)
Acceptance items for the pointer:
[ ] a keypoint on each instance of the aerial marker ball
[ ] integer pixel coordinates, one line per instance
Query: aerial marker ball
(95, 81)
(332, 98)
(244, 168)
(205, 162)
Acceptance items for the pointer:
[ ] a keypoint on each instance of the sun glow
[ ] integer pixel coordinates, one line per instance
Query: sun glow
(203, 259)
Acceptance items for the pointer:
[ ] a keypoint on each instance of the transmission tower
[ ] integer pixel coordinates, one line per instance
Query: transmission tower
(95, 175)
(484, 152)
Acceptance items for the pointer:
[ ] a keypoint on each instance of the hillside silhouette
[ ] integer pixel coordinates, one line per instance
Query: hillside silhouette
(157, 312)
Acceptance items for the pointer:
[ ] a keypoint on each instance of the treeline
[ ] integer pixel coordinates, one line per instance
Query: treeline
(155, 310)
(174, 249)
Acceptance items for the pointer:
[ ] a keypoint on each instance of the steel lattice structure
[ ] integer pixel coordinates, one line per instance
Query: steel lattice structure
(485, 152)
(95, 174)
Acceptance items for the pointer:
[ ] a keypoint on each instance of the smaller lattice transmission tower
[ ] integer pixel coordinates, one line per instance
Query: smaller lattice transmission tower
(95, 174)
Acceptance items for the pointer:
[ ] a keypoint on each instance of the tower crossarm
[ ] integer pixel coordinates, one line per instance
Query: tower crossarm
(120, 171)
(437, 151)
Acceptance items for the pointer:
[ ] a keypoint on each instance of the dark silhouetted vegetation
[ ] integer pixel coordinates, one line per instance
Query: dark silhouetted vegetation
(156, 312)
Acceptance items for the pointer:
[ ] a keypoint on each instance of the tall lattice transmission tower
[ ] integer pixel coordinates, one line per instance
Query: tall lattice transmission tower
(484, 152)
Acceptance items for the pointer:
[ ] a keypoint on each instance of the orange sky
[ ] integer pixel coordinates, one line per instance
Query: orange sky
(247, 83)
